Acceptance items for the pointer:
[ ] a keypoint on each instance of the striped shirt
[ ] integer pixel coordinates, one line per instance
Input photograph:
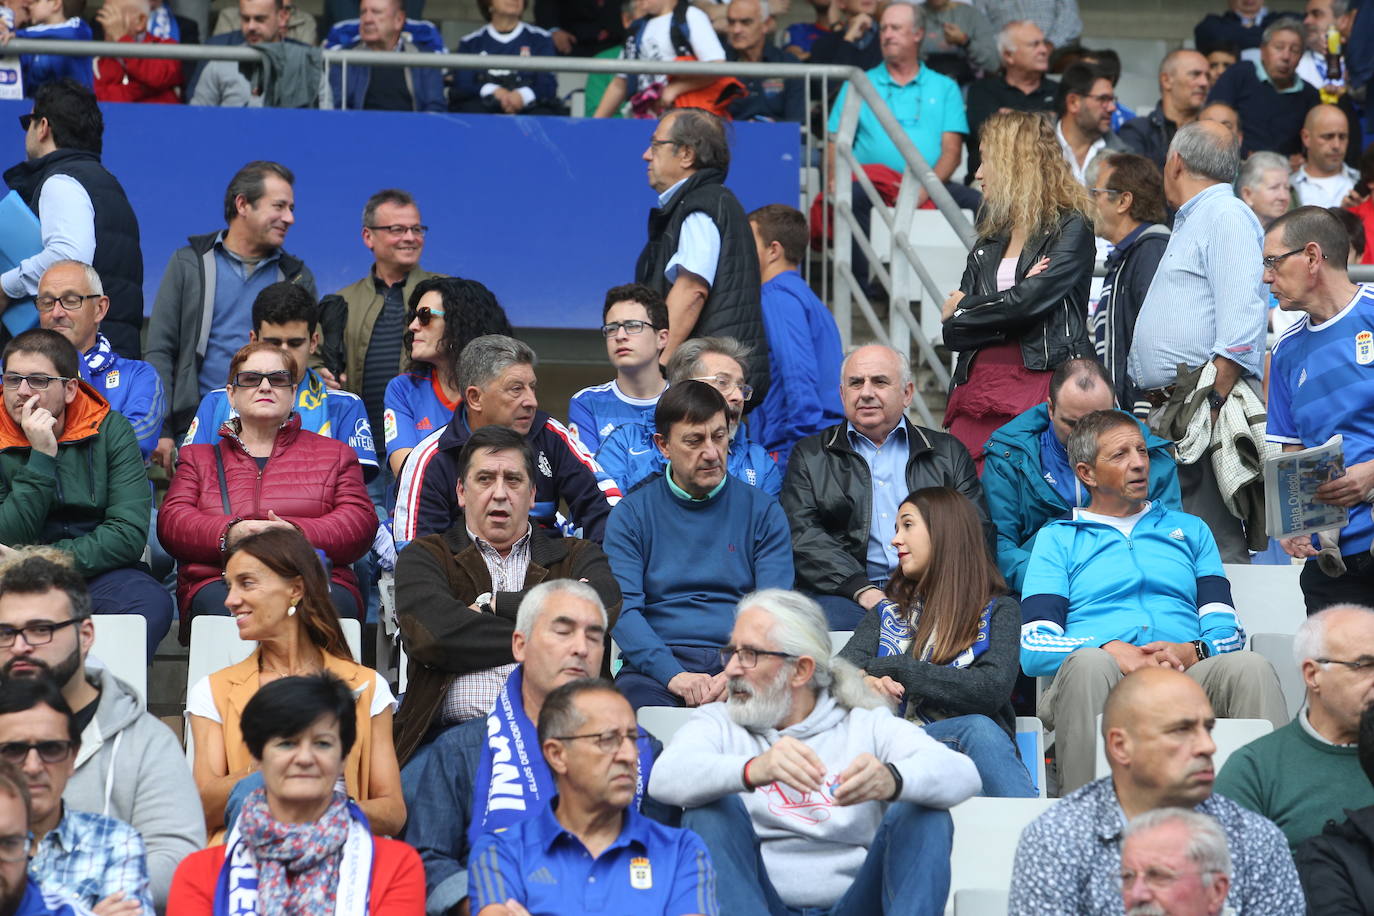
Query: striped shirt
(1208, 296)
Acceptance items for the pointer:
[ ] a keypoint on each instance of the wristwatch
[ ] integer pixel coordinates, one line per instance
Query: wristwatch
(484, 603)
(1201, 649)
(1215, 401)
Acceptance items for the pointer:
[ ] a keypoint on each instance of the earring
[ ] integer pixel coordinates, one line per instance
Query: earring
(291, 611)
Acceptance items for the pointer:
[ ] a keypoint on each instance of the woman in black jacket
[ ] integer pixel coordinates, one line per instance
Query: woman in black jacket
(1022, 306)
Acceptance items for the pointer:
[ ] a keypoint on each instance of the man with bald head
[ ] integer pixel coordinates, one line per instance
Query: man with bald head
(1183, 85)
(382, 26)
(1324, 179)
(1157, 728)
(844, 484)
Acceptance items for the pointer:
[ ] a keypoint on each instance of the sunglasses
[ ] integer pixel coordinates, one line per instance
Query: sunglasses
(279, 379)
(425, 315)
(17, 752)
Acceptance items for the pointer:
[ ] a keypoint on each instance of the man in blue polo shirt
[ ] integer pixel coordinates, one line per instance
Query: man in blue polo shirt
(285, 315)
(1321, 383)
(590, 850)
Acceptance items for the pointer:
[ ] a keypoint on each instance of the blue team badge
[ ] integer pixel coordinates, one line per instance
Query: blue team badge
(1364, 348)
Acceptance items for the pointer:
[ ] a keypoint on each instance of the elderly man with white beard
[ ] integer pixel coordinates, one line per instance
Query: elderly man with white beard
(802, 782)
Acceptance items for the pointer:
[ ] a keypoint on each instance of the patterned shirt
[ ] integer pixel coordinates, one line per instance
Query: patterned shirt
(1068, 862)
(91, 856)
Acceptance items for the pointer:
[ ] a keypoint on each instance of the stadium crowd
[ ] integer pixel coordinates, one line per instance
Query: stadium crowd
(687, 537)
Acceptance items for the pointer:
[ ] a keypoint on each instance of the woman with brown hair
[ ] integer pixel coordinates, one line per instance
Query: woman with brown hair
(944, 644)
(1022, 306)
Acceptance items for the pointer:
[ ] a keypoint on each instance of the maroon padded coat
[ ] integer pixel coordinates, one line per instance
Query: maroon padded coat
(311, 481)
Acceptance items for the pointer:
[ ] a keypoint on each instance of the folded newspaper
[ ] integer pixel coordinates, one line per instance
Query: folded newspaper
(1291, 480)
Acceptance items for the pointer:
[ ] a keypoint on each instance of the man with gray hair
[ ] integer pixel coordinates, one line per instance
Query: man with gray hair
(1205, 313)
(1183, 85)
(1268, 93)
(1307, 772)
(1174, 862)
(808, 792)
(1020, 86)
(1319, 18)
(497, 381)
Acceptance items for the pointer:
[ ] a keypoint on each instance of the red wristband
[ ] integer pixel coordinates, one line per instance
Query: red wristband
(747, 784)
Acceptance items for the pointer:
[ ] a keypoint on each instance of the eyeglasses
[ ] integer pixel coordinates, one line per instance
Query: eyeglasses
(1358, 666)
(279, 379)
(1105, 98)
(15, 848)
(26, 120)
(35, 634)
(424, 314)
(17, 752)
(1110, 192)
(1156, 878)
(1272, 261)
(606, 742)
(36, 382)
(653, 143)
(748, 656)
(725, 384)
(633, 326)
(398, 230)
(71, 302)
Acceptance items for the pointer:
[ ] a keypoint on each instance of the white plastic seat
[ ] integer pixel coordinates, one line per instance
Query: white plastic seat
(1268, 598)
(663, 721)
(981, 901)
(1278, 648)
(1229, 735)
(1030, 740)
(986, 831)
(121, 648)
(838, 640)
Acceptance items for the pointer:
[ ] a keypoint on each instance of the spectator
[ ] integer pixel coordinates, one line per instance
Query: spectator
(1304, 264)
(425, 35)
(1242, 25)
(1335, 866)
(49, 21)
(959, 41)
(1084, 107)
(1354, 229)
(1021, 308)
(506, 91)
(1121, 584)
(1361, 203)
(560, 637)
(751, 27)
(667, 30)
(279, 596)
(630, 454)
(1187, 847)
(872, 789)
(635, 326)
(1156, 728)
(675, 615)
(1302, 775)
(264, 471)
(1028, 478)
(594, 808)
(700, 253)
(284, 316)
(1320, 17)
(1128, 195)
(926, 646)
(1021, 86)
(497, 381)
(134, 79)
(423, 398)
(1209, 319)
(1324, 180)
(131, 767)
(1183, 85)
(91, 857)
(804, 352)
(1221, 56)
(71, 475)
(195, 331)
(1223, 114)
(300, 27)
(1268, 93)
(842, 490)
(1109, 63)
(799, 37)
(299, 842)
(457, 592)
(1057, 19)
(382, 26)
(1263, 185)
(63, 183)
(14, 14)
(853, 38)
(130, 386)
(19, 891)
(264, 25)
(583, 28)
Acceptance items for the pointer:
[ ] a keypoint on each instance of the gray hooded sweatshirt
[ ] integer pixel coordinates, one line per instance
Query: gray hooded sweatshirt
(131, 767)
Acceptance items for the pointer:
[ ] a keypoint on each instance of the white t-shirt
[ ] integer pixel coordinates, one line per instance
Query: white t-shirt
(1123, 523)
(200, 701)
(656, 43)
(1323, 192)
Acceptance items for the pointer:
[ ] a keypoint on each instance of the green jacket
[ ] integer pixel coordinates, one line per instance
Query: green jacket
(92, 500)
(346, 321)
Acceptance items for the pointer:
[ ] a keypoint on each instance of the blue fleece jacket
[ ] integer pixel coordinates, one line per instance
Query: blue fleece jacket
(683, 564)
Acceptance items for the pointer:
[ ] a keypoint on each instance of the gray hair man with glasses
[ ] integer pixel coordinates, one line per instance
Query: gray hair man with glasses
(807, 791)
(1307, 772)
(1174, 862)
(19, 892)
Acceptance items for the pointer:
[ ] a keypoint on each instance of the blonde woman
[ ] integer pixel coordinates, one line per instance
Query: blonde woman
(1022, 306)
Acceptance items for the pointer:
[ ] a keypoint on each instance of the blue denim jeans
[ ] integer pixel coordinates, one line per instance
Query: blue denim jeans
(237, 796)
(913, 880)
(992, 751)
(642, 690)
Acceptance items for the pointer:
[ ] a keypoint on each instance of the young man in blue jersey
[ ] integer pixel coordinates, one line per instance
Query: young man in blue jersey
(634, 321)
(285, 315)
(1321, 383)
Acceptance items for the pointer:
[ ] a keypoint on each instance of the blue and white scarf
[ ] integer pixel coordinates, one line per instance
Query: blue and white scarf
(894, 631)
(100, 358)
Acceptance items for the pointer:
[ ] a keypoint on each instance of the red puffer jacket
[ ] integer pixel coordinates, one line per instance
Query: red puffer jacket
(311, 481)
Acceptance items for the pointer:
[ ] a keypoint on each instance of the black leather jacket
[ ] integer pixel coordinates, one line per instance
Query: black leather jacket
(1048, 313)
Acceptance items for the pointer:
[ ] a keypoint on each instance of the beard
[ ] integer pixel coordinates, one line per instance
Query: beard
(762, 708)
(1146, 909)
(12, 897)
(60, 673)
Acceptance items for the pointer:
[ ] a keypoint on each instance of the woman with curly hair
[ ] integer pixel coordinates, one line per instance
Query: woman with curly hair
(446, 313)
(1022, 306)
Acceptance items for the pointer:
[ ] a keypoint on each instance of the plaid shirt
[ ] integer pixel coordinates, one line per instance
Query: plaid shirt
(473, 694)
(91, 856)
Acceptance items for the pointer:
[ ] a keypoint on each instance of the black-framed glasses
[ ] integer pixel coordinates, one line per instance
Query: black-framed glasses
(1105, 98)
(653, 143)
(71, 302)
(16, 752)
(748, 656)
(725, 384)
(398, 230)
(36, 382)
(424, 314)
(632, 326)
(16, 847)
(26, 120)
(606, 742)
(279, 379)
(1356, 666)
(1272, 261)
(35, 634)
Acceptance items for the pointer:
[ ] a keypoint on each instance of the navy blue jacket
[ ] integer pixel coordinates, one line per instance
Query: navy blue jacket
(426, 84)
(527, 41)
(770, 98)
